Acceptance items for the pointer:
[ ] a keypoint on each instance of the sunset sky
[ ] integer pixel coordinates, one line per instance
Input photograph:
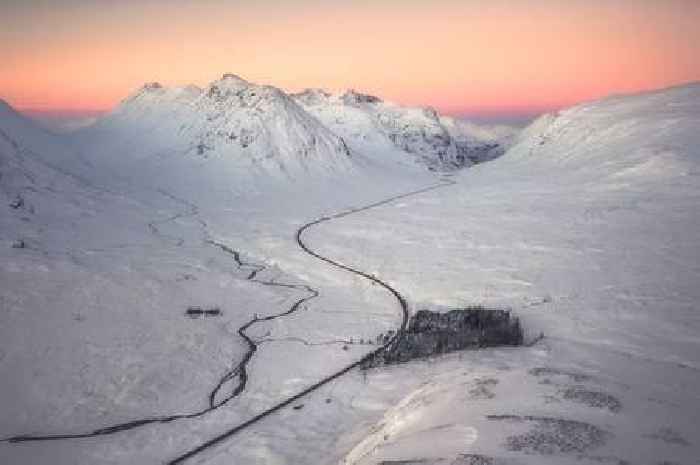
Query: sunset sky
(469, 57)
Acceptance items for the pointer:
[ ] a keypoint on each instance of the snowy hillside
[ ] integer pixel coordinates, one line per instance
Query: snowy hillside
(589, 229)
(629, 140)
(374, 126)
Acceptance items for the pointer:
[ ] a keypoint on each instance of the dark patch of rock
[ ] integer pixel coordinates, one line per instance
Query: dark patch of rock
(553, 435)
(152, 86)
(545, 372)
(595, 399)
(477, 152)
(474, 459)
(17, 203)
(482, 389)
(409, 462)
(669, 436)
(19, 244)
(599, 459)
(352, 97)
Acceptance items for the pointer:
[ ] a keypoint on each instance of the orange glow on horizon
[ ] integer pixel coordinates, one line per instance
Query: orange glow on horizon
(462, 57)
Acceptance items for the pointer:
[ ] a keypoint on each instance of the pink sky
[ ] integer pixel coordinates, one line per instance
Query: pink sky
(466, 57)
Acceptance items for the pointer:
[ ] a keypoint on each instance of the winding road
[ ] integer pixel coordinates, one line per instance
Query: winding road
(239, 372)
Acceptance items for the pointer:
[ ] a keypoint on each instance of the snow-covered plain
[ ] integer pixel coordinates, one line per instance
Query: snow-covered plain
(587, 228)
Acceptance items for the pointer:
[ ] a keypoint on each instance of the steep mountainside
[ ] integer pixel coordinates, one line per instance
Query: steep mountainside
(373, 125)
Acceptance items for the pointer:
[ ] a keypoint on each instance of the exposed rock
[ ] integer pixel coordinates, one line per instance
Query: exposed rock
(312, 96)
(17, 202)
(19, 244)
(595, 399)
(408, 462)
(474, 459)
(431, 333)
(477, 152)
(669, 436)
(150, 86)
(547, 372)
(483, 389)
(352, 97)
(553, 435)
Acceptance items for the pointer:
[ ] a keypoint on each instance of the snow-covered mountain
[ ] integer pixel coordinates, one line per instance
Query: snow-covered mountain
(252, 126)
(262, 130)
(375, 126)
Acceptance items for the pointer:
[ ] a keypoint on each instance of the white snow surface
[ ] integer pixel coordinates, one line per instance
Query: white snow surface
(587, 228)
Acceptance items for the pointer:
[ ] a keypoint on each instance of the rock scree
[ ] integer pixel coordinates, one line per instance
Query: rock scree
(431, 333)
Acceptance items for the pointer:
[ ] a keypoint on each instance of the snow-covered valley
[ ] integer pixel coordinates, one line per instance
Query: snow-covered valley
(587, 228)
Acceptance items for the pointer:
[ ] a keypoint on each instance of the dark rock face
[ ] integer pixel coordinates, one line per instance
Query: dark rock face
(352, 97)
(594, 399)
(17, 203)
(549, 436)
(477, 153)
(152, 86)
(431, 333)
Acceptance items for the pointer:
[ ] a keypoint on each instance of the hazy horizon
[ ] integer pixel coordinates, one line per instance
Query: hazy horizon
(494, 61)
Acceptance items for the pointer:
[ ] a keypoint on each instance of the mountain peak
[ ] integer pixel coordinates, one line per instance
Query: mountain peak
(233, 77)
(228, 85)
(352, 97)
(149, 86)
(312, 96)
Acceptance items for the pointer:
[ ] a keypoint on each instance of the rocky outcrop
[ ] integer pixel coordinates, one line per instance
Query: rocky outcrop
(431, 333)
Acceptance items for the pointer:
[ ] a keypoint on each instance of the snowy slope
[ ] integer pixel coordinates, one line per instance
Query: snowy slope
(589, 229)
(378, 127)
